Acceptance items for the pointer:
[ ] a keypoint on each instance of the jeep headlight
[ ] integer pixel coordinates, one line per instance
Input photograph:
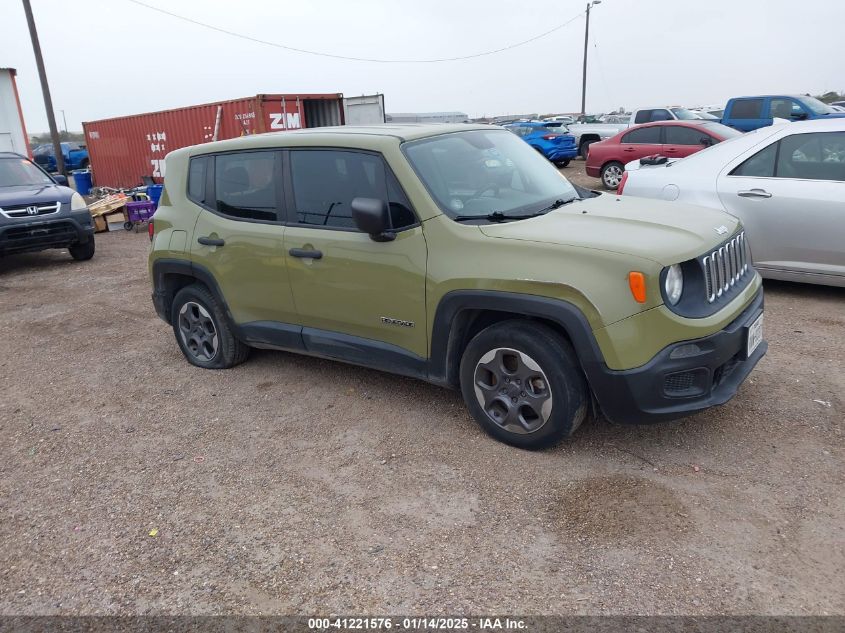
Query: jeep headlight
(77, 203)
(673, 285)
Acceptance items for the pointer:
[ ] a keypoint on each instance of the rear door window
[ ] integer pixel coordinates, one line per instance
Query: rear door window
(245, 185)
(643, 136)
(747, 109)
(643, 116)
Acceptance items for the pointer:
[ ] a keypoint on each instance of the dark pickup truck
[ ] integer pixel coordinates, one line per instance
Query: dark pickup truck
(74, 154)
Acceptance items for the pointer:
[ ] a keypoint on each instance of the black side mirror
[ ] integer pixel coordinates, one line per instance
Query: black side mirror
(798, 116)
(60, 180)
(706, 141)
(372, 216)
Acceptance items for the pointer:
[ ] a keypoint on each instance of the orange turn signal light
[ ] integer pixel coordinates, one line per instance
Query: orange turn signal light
(636, 281)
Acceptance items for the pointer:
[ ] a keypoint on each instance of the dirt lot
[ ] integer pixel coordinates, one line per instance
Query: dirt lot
(295, 485)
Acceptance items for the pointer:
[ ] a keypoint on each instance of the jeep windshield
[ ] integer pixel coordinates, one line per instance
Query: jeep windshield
(487, 173)
(16, 171)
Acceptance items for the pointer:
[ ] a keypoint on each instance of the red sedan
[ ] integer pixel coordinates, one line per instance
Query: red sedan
(673, 139)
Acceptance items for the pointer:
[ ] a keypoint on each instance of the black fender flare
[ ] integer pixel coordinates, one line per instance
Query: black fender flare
(162, 294)
(449, 327)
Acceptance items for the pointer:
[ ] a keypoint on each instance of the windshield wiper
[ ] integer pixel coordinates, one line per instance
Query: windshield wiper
(498, 216)
(557, 204)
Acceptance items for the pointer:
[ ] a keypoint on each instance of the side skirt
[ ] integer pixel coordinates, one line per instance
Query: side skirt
(330, 345)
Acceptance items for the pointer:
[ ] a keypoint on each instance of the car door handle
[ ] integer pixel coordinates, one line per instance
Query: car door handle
(628, 149)
(211, 241)
(754, 193)
(306, 252)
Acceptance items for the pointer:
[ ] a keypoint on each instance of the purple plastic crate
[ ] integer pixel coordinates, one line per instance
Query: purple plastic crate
(140, 211)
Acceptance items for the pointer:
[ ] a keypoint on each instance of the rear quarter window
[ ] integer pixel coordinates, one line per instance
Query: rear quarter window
(197, 170)
(746, 109)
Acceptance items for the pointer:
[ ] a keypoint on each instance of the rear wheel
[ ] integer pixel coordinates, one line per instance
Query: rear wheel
(611, 175)
(562, 163)
(202, 331)
(584, 147)
(82, 252)
(522, 383)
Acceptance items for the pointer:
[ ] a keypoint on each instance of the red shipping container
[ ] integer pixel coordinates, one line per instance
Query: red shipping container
(125, 149)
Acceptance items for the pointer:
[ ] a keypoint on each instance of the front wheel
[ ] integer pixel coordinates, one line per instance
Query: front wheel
(523, 384)
(202, 331)
(562, 163)
(82, 252)
(611, 175)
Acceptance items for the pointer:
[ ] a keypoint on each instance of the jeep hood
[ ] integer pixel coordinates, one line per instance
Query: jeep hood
(664, 232)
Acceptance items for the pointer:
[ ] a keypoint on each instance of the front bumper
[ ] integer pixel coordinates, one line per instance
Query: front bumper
(667, 388)
(36, 235)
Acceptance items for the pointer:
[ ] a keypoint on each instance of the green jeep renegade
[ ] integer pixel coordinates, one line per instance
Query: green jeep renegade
(458, 255)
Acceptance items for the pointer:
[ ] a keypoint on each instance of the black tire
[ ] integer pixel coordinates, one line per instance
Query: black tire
(202, 346)
(562, 163)
(508, 345)
(584, 148)
(611, 175)
(83, 252)
(128, 225)
(84, 164)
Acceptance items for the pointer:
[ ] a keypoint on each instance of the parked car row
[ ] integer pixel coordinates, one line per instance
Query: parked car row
(676, 139)
(786, 183)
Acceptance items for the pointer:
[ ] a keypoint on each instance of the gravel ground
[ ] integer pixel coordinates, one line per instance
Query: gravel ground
(134, 483)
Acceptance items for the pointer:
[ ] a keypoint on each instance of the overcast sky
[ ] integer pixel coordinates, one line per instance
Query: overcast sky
(111, 57)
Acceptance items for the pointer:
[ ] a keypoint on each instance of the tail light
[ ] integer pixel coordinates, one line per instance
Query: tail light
(622, 183)
(151, 229)
(549, 137)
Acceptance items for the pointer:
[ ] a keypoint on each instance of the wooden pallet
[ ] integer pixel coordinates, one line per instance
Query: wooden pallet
(109, 204)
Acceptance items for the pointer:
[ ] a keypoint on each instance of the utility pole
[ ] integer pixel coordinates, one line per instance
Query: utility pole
(45, 88)
(586, 40)
(64, 119)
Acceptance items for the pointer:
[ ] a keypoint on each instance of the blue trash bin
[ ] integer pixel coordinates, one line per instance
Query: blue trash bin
(82, 180)
(154, 192)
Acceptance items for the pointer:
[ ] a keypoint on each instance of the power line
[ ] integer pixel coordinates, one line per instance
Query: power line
(348, 57)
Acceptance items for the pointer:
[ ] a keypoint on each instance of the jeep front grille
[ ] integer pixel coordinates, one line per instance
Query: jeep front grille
(725, 266)
(30, 210)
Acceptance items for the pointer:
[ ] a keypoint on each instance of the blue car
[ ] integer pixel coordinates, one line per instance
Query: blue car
(551, 141)
(38, 211)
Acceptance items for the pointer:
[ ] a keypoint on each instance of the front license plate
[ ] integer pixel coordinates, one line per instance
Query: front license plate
(755, 336)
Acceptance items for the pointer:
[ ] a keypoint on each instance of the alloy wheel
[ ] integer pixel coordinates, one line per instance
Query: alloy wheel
(612, 176)
(198, 331)
(513, 390)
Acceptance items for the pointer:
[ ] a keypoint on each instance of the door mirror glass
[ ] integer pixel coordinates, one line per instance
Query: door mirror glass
(372, 216)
